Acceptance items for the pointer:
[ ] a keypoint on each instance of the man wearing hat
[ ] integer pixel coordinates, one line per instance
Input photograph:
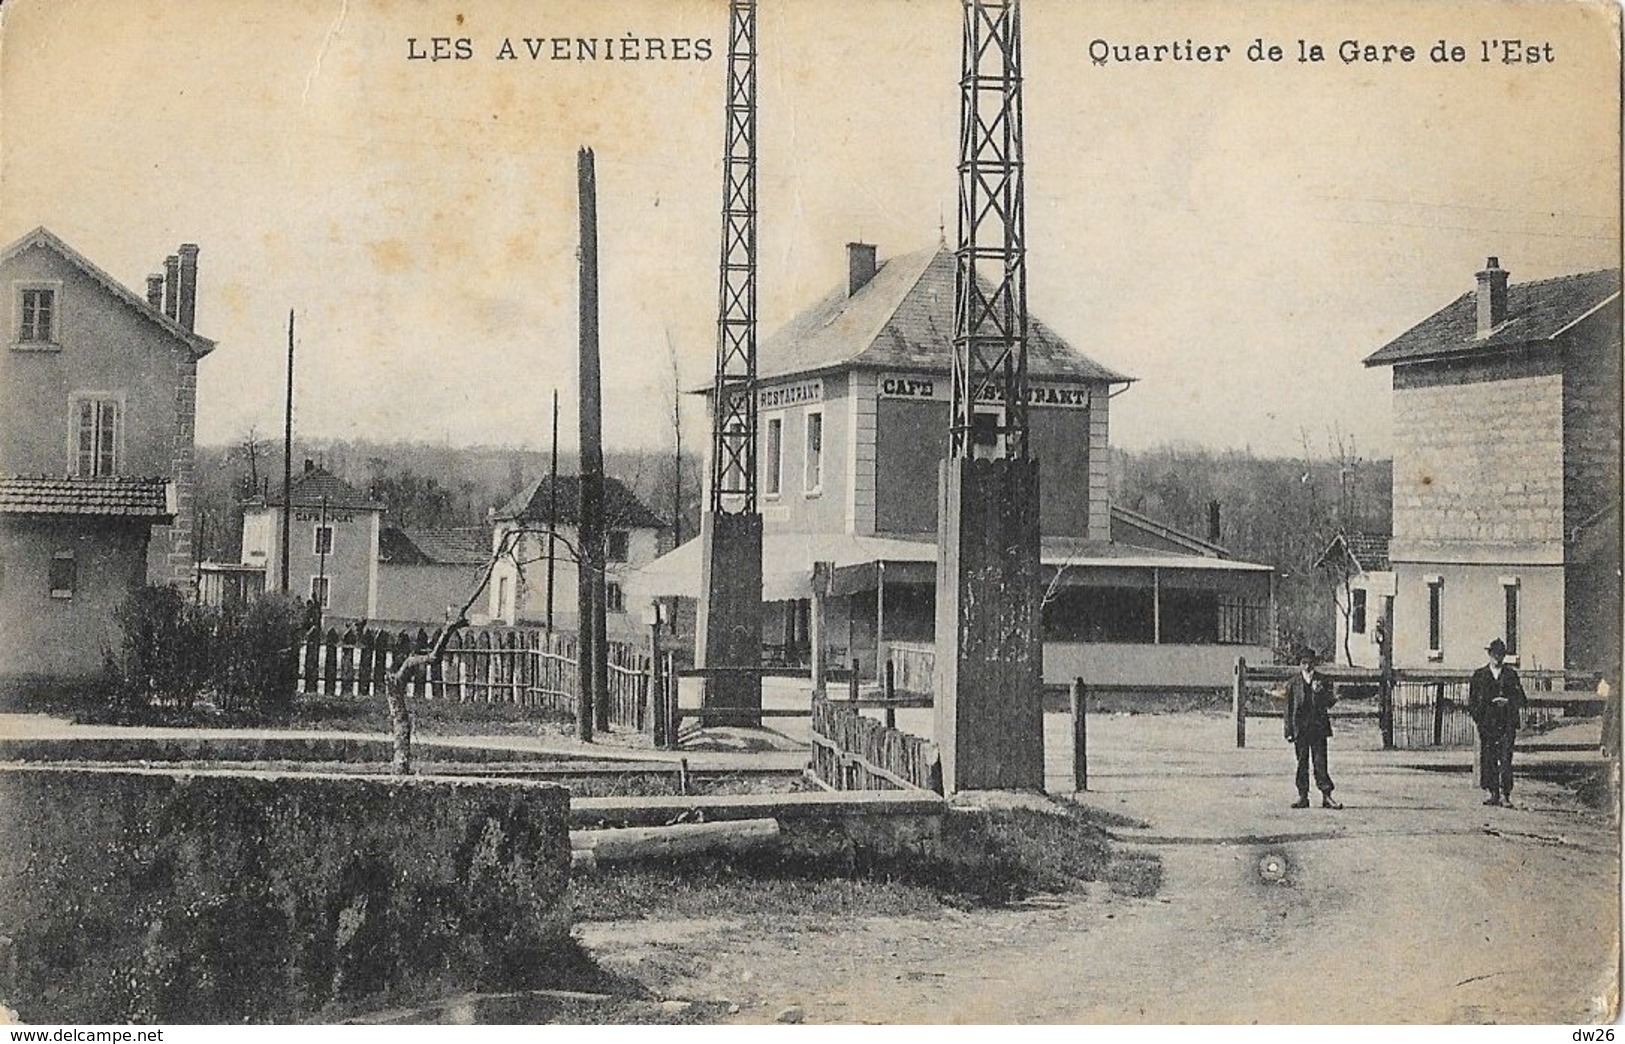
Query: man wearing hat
(1309, 699)
(1495, 703)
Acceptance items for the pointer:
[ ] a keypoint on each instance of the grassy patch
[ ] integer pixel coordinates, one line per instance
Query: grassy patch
(984, 858)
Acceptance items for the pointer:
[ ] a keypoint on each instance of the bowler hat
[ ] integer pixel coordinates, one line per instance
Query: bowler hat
(1496, 648)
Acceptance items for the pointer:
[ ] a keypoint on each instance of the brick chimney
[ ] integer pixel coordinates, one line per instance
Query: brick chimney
(186, 297)
(1492, 296)
(155, 291)
(860, 266)
(1213, 531)
(172, 280)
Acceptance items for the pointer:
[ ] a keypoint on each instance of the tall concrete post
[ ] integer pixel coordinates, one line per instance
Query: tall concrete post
(988, 674)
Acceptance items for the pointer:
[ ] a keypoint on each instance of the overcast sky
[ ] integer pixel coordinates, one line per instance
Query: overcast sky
(1237, 235)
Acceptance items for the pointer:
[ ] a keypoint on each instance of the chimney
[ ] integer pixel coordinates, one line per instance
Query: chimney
(1492, 296)
(310, 465)
(860, 266)
(155, 291)
(186, 305)
(1213, 521)
(172, 279)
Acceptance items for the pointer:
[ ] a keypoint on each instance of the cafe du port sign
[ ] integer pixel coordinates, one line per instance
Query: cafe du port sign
(915, 386)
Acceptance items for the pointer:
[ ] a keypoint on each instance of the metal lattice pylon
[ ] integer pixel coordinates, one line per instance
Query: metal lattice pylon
(990, 291)
(733, 401)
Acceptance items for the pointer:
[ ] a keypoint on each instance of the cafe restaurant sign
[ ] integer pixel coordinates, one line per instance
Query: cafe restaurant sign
(937, 388)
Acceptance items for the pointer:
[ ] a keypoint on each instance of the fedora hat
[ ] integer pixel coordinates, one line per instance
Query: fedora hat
(1496, 648)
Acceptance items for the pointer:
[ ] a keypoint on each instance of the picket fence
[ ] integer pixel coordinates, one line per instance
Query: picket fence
(523, 667)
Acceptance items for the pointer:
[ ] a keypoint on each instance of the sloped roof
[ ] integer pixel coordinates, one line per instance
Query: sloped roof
(903, 318)
(455, 547)
(1195, 544)
(621, 506)
(1368, 551)
(316, 485)
(148, 498)
(199, 346)
(1536, 311)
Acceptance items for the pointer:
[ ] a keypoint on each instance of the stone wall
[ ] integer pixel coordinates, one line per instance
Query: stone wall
(1591, 419)
(146, 895)
(1478, 454)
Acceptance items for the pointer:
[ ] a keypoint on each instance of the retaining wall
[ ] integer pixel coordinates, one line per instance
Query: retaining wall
(151, 895)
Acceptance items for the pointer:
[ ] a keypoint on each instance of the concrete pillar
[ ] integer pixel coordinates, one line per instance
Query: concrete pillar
(988, 676)
(729, 631)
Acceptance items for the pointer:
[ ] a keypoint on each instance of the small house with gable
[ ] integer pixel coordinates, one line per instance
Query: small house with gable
(1506, 517)
(853, 413)
(98, 395)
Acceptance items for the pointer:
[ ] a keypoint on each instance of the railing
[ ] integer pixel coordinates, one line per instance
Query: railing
(518, 666)
(1414, 707)
(851, 752)
(913, 663)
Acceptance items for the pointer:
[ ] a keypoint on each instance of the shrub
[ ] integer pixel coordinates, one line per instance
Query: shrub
(256, 655)
(172, 650)
(165, 649)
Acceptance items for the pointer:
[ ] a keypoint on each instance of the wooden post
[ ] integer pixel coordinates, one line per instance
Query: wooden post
(1385, 664)
(822, 575)
(1080, 735)
(852, 683)
(891, 695)
(651, 695)
(1438, 714)
(672, 693)
(1238, 701)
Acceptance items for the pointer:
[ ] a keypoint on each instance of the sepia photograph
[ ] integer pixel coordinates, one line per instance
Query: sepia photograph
(751, 512)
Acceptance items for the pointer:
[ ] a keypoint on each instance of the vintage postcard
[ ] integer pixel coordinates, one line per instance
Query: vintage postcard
(751, 511)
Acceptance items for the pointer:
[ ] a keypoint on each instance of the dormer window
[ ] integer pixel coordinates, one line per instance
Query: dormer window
(36, 315)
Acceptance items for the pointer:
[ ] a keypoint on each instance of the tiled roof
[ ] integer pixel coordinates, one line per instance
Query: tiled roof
(316, 485)
(1369, 551)
(903, 318)
(147, 498)
(621, 506)
(460, 547)
(42, 236)
(1536, 311)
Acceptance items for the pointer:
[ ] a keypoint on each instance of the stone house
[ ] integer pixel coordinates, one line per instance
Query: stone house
(853, 413)
(1506, 513)
(99, 397)
(424, 572)
(333, 538)
(523, 585)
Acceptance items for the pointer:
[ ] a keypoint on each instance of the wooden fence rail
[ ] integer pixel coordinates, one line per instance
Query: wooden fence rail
(522, 667)
(851, 752)
(1415, 707)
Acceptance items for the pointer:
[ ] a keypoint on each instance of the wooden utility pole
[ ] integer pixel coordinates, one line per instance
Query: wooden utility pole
(592, 645)
(552, 510)
(287, 459)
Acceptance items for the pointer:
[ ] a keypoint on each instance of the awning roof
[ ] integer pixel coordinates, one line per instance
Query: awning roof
(787, 560)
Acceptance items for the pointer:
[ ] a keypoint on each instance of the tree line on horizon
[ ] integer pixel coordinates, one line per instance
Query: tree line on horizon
(1276, 510)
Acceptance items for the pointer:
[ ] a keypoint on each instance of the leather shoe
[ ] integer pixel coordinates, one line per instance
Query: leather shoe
(1302, 802)
(1327, 802)
(1493, 799)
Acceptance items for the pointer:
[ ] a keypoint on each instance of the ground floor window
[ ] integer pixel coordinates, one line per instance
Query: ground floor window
(319, 586)
(614, 598)
(64, 574)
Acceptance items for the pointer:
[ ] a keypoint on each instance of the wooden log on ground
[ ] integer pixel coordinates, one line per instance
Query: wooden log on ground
(632, 843)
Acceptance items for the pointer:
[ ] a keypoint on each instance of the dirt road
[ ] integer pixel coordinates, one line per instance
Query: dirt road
(1413, 904)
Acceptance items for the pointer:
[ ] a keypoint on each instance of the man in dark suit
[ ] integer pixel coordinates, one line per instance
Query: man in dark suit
(1495, 702)
(1309, 699)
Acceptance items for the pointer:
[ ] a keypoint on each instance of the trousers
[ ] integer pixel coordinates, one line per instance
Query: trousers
(1312, 750)
(1495, 759)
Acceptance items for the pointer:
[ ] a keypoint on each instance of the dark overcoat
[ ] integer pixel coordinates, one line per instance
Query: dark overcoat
(1483, 691)
(1308, 707)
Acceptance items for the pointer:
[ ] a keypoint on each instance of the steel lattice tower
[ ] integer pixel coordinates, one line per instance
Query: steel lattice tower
(728, 635)
(733, 400)
(987, 675)
(990, 286)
